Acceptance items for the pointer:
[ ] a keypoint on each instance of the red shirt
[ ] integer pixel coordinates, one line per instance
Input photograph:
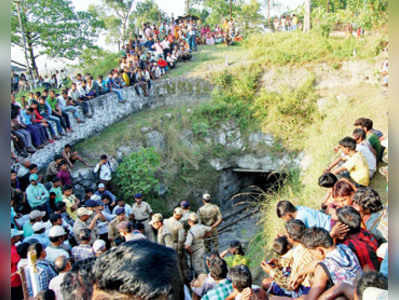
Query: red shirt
(37, 117)
(364, 245)
(162, 63)
(15, 279)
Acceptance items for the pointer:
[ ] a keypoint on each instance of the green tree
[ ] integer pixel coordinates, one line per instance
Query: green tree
(249, 15)
(137, 173)
(146, 11)
(116, 16)
(220, 9)
(52, 27)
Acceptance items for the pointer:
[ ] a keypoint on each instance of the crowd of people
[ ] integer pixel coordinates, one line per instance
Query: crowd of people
(339, 250)
(287, 23)
(44, 116)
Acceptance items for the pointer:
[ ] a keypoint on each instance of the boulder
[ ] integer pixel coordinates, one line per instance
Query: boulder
(155, 139)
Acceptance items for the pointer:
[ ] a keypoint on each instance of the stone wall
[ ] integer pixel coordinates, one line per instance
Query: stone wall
(107, 110)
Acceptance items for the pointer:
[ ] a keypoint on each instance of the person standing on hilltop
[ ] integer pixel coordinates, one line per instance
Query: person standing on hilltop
(210, 215)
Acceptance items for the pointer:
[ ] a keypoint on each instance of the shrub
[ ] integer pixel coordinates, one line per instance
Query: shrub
(137, 173)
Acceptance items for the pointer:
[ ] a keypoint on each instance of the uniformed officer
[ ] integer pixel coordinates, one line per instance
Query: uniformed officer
(194, 243)
(142, 212)
(210, 215)
(113, 233)
(185, 206)
(164, 237)
(176, 229)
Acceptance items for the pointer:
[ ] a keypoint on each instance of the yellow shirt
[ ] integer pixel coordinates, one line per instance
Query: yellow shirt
(358, 168)
(69, 202)
(126, 79)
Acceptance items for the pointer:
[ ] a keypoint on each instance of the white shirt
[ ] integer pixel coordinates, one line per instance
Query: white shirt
(134, 235)
(364, 149)
(55, 285)
(54, 252)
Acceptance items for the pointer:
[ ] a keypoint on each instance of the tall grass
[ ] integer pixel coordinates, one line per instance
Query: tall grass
(299, 48)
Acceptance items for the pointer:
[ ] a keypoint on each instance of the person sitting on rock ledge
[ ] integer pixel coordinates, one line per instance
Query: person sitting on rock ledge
(71, 156)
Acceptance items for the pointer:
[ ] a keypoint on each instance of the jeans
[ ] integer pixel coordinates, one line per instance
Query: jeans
(73, 109)
(38, 137)
(118, 93)
(192, 43)
(25, 136)
(66, 118)
(54, 119)
(85, 107)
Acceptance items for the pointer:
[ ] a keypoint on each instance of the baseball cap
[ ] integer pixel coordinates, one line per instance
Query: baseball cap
(375, 294)
(178, 211)
(206, 197)
(193, 217)
(38, 226)
(95, 197)
(119, 211)
(98, 245)
(83, 211)
(56, 231)
(138, 196)
(185, 204)
(33, 177)
(90, 203)
(156, 218)
(36, 214)
(15, 232)
(101, 185)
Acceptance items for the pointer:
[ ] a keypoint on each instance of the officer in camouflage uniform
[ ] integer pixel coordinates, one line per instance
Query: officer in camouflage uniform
(194, 243)
(142, 212)
(113, 233)
(210, 215)
(164, 237)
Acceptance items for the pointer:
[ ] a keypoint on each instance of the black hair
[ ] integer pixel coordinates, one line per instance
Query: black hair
(241, 277)
(237, 244)
(368, 199)
(281, 245)
(59, 205)
(350, 217)
(54, 217)
(217, 268)
(359, 133)
(32, 166)
(85, 234)
(371, 279)
(284, 207)
(22, 249)
(317, 237)
(138, 226)
(348, 142)
(67, 146)
(67, 187)
(364, 122)
(57, 157)
(45, 295)
(78, 283)
(295, 229)
(36, 247)
(140, 268)
(327, 180)
(103, 156)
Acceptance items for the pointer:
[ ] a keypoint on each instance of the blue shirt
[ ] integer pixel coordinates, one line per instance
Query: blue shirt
(37, 195)
(313, 218)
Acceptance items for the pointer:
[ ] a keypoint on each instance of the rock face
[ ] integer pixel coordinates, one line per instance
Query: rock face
(155, 139)
(107, 110)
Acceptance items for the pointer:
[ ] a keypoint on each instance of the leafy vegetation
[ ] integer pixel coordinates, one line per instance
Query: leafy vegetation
(98, 62)
(136, 174)
(53, 28)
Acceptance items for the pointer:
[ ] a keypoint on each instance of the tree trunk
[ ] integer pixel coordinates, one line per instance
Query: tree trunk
(268, 12)
(186, 6)
(32, 55)
(307, 24)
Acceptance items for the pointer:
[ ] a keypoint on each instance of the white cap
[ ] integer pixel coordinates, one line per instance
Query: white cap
(34, 214)
(193, 217)
(95, 197)
(83, 211)
(101, 185)
(156, 218)
(16, 232)
(98, 245)
(206, 196)
(382, 250)
(38, 226)
(178, 211)
(56, 231)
